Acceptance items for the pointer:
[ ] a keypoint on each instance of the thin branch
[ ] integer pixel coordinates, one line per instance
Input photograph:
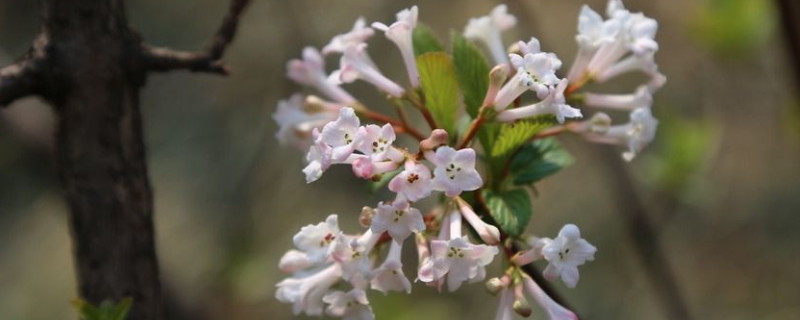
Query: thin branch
(166, 59)
(17, 80)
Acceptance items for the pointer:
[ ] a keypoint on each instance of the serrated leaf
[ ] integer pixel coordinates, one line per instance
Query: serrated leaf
(440, 87)
(511, 209)
(537, 160)
(512, 136)
(424, 40)
(472, 71)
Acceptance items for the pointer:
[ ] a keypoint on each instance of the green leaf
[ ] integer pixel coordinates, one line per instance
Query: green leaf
(424, 40)
(106, 311)
(537, 160)
(511, 209)
(440, 87)
(374, 186)
(514, 135)
(472, 71)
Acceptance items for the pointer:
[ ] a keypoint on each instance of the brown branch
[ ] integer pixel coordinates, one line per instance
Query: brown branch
(166, 59)
(24, 77)
(644, 236)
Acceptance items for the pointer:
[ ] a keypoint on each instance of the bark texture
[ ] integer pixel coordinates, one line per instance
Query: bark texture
(90, 65)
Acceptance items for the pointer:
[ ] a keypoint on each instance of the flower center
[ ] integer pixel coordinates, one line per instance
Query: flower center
(563, 254)
(455, 253)
(398, 214)
(327, 240)
(412, 177)
(451, 170)
(379, 145)
(348, 139)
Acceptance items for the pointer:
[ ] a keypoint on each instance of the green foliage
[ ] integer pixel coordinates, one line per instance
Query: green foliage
(440, 87)
(514, 135)
(374, 186)
(106, 311)
(424, 40)
(537, 160)
(684, 150)
(472, 71)
(733, 27)
(511, 209)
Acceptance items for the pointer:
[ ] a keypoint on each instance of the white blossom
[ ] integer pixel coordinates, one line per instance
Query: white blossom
(351, 305)
(318, 158)
(353, 255)
(398, 219)
(400, 32)
(389, 276)
(341, 134)
(642, 98)
(486, 29)
(413, 183)
(565, 253)
(376, 142)
(356, 64)
(535, 72)
(359, 34)
(315, 240)
(298, 116)
(635, 135)
(455, 171)
(554, 104)
(459, 260)
(310, 71)
(305, 292)
(553, 310)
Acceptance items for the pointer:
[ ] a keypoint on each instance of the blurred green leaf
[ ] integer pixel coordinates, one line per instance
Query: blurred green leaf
(684, 149)
(511, 209)
(472, 71)
(537, 160)
(106, 311)
(733, 27)
(424, 40)
(440, 87)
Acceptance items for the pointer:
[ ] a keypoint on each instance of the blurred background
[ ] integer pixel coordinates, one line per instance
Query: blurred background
(721, 183)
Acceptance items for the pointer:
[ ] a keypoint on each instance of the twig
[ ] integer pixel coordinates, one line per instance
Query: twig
(166, 59)
(643, 235)
(24, 77)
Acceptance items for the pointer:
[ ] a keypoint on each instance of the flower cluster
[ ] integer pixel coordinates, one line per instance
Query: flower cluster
(464, 181)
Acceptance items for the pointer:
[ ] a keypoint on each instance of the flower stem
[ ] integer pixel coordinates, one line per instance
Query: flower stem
(423, 109)
(473, 128)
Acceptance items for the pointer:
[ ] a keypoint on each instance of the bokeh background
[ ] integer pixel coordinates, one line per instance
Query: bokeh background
(721, 183)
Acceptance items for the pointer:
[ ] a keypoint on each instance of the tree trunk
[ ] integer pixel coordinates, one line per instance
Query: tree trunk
(100, 153)
(90, 65)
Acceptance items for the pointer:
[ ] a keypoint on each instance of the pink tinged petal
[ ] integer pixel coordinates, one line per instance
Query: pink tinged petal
(551, 272)
(362, 168)
(504, 311)
(293, 261)
(570, 276)
(554, 310)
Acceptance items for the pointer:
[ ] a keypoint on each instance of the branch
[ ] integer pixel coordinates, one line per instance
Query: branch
(166, 59)
(25, 77)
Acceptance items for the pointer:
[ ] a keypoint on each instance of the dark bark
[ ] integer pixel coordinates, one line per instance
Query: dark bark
(90, 65)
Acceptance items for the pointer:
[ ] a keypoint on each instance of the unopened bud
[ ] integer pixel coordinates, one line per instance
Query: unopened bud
(599, 123)
(495, 285)
(365, 219)
(438, 138)
(497, 77)
(521, 305)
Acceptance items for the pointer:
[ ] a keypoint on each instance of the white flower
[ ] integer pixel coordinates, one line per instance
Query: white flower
(644, 63)
(637, 34)
(359, 34)
(413, 183)
(504, 311)
(642, 98)
(306, 292)
(296, 118)
(460, 260)
(294, 260)
(353, 255)
(487, 232)
(352, 305)
(318, 158)
(565, 253)
(310, 71)
(535, 71)
(315, 240)
(635, 135)
(389, 276)
(399, 219)
(554, 104)
(400, 32)
(553, 310)
(593, 31)
(341, 134)
(533, 46)
(376, 142)
(455, 171)
(487, 29)
(356, 64)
